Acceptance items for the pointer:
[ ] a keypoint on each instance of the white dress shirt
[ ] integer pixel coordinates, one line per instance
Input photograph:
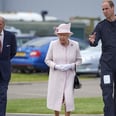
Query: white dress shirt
(1, 38)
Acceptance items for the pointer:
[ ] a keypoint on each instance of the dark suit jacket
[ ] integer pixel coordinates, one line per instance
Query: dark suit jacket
(8, 52)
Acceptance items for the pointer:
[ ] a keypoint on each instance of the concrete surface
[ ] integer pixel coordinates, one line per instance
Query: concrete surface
(90, 88)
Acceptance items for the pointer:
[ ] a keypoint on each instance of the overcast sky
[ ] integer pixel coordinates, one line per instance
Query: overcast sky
(68, 8)
(62, 9)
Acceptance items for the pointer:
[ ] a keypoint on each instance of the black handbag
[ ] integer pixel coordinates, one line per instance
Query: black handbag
(77, 84)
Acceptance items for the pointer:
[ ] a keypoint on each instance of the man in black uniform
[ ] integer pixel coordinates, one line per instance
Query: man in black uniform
(106, 32)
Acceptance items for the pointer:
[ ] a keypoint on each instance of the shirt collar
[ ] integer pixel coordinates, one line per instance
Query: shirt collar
(1, 33)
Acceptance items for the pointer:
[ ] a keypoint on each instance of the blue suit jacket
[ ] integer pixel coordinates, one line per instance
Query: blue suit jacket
(8, 52)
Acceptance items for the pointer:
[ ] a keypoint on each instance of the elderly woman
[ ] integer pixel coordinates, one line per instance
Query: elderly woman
(62, 57)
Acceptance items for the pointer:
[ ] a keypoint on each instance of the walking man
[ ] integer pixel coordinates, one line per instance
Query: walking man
(7, 51)
(106, 32)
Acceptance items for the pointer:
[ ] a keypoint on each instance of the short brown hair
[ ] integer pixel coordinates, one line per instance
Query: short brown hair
(111, 3)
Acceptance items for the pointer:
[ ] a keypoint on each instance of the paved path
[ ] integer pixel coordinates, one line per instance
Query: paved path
(90, 88)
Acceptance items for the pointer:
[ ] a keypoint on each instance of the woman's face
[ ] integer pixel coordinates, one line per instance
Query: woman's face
(63, 37)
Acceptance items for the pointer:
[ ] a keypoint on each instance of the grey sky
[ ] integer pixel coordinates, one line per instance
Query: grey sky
(62, 9)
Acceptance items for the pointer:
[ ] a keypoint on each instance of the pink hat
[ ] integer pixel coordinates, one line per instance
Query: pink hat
(63, 28)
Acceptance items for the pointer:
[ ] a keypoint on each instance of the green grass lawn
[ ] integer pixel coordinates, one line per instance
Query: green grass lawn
(82, 106)
(34, 77)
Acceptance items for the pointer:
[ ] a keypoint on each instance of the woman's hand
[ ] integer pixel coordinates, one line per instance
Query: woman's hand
(64, 67)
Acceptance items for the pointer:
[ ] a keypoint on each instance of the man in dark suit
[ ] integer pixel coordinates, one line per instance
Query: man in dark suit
(7, 52)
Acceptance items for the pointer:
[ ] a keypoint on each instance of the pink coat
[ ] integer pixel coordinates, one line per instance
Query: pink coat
(61, 83)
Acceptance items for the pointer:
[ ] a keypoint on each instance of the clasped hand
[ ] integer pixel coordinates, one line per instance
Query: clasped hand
(63, 67)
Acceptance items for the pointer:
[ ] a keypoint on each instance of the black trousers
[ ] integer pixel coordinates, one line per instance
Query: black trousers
(108, 86)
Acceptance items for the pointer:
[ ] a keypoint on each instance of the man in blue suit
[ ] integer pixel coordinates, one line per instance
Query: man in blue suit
(7, 52)
(105, 31)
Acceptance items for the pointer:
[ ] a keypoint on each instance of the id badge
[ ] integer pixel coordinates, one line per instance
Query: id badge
(106, 79)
